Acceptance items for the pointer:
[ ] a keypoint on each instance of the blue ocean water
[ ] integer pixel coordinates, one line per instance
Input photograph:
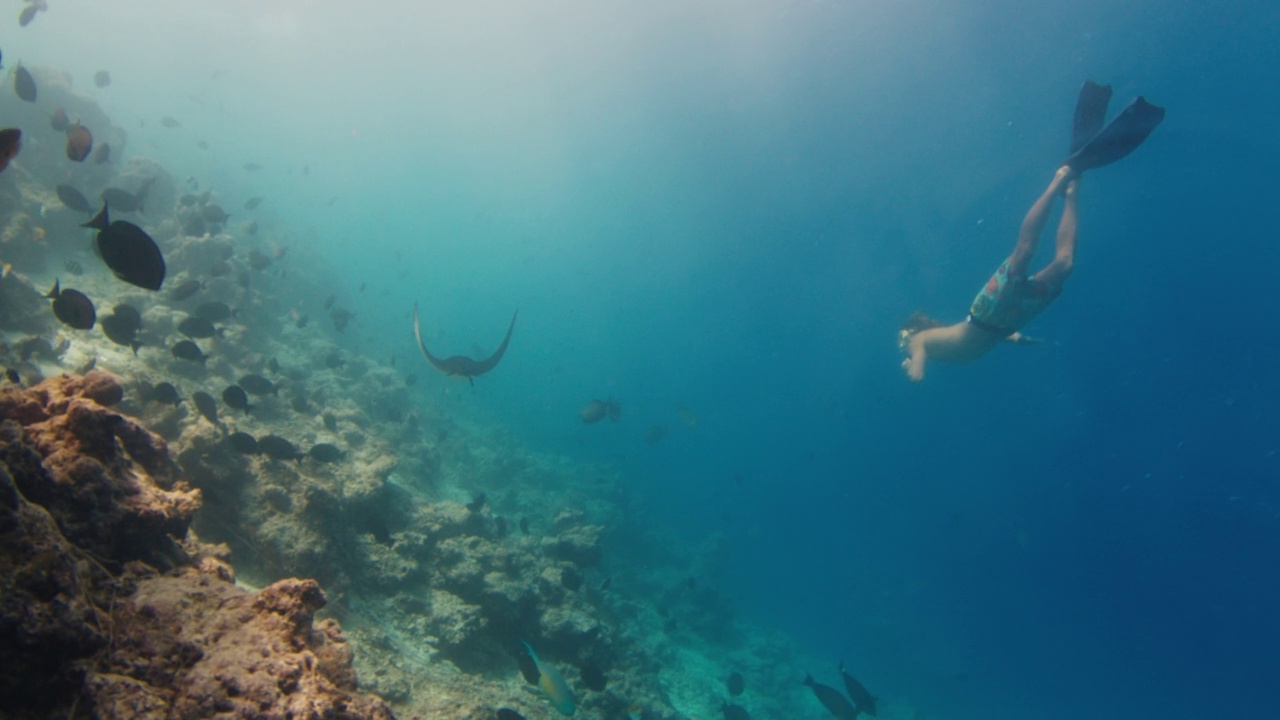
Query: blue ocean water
(730, 206)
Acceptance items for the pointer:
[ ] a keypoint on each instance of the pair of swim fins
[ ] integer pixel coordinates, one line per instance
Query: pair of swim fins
(1092, 144)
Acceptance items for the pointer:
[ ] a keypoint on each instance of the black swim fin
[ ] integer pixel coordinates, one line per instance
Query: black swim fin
(1091, 111)
(1120, 137)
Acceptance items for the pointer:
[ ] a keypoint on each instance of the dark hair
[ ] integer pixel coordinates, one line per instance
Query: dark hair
(919, 321)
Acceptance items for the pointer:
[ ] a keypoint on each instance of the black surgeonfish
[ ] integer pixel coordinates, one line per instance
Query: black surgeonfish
(24, 86)
(207, 406)
(279, 448)
(735, 684)
(164, 393)
(236, 398)
(862, 699)
(460, 365)
(185, 289)
(831, 698)
(243, 442)
(72, 307)
(74, 199)
(129, 251)
(187, 350)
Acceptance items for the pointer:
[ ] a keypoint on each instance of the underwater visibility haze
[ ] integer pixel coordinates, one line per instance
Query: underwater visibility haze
(696, 453)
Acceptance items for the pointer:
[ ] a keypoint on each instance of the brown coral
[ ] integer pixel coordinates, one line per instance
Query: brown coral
(85, 618)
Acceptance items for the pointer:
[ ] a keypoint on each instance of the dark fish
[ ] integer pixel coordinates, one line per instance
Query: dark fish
(597, 410)
(102, 155)
(258, 385)
(214, 213)
(214, 311)
(102, 78)
(122, 329)
(128, 314)
(129, 251)
(207, 406)
(28, 14)
(252, 166)
(333, 360)
(459, 365)
(862, 699)
(656, 434)
(188, 200)
(24, 85)
(165, 393)
(235, 397)
(509, 714)
(170, 122)
(329, 301)
(79, 143)
(735, 684)
(243, 442)
(478, 502)
(74, 199)
(273, 365)
(734, 712)
(252, 203)
(194, 226)
(340, 318)
(12, 376)
(10, 144)
(300, 405)
(187, 350)
(300, 321)
(258, 261)
(197, 327)
(326, 452)
(58, 120)
(185, 289)
(279, 448)
(831, 698)
(330, 422)
(121, 200)
(72, 307)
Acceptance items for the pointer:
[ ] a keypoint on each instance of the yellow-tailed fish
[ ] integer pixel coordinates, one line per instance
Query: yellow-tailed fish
(553, 685)
(8, 268)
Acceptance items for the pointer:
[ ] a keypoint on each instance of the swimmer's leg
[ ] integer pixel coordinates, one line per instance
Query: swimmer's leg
(1033, 224)
(1064, 258)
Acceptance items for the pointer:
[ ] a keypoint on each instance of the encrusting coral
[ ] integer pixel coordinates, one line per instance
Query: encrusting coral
(110, 606)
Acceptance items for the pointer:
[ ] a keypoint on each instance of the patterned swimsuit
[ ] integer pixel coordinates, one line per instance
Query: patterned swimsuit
(1007, 303)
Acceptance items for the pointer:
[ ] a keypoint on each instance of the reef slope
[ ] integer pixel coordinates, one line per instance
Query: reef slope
(109, 605)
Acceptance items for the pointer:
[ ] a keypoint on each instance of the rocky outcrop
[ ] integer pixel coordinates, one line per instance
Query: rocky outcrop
(109, 605)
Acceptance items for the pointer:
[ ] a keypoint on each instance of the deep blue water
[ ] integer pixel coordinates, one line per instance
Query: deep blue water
(731, 206)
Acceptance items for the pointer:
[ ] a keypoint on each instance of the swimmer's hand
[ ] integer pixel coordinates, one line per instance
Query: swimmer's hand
(1020, 339)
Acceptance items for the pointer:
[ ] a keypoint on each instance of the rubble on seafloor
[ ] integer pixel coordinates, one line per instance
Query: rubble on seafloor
(112, 608)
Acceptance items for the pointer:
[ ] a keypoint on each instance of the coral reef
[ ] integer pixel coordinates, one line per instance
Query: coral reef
(111, 606)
